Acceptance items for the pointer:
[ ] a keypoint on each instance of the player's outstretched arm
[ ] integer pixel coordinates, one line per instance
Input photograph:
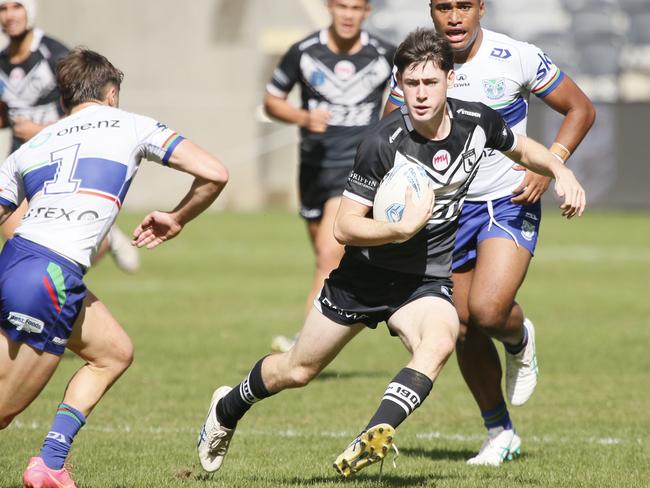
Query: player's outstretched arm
(353, 226)
(210, 177)
(539, 159)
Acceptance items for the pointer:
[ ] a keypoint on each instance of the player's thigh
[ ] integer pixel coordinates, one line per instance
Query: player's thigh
(320, 341)
(24, 371)
(431, 320)
(325, 237)
(98, 338)
(499, 271)
(462, 278)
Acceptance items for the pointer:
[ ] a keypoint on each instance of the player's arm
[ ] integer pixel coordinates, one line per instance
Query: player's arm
(210, 177)
(395, 97)
(579, 115)
(25, 128)
(353, 227)
(5, 213)
(279, 108)
(539, 159)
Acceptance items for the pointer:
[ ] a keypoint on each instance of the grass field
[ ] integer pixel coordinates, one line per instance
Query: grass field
(205, 307)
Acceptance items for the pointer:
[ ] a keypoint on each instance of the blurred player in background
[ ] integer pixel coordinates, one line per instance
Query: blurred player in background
(343, 73)
(74, 175)
(499, 224)
(29, 101)
(393, 272)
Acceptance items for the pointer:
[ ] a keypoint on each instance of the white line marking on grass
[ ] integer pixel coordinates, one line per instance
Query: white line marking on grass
(292, 433)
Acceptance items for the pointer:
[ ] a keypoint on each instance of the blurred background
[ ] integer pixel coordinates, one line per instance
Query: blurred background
(201, 66)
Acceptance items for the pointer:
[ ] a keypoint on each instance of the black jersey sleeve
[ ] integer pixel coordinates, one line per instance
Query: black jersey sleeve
(55, 51)
(373, 160)
(499, 136)
(287, 73)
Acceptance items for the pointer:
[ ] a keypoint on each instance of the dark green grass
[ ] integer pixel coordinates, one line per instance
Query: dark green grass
(205, 306)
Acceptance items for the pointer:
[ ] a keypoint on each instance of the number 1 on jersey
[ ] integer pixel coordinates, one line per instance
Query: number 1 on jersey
(66, 161)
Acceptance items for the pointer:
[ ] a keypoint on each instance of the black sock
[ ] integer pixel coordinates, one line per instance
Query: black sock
(404, 394)
(237, 402)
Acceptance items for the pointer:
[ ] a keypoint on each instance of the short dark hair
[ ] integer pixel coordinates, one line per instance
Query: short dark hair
(423, 45)
(84, 76)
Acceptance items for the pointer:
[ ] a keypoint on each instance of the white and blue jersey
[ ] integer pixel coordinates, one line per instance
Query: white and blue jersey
(75, 175)
(502, 75)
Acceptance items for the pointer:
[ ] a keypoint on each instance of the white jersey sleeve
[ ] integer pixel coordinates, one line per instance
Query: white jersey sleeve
(540, 75)
(12, 190)
(157, 141)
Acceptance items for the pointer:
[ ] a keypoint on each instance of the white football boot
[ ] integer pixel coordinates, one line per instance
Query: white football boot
(501, 445)
(124, 254)
(522, 370)
(214, 439)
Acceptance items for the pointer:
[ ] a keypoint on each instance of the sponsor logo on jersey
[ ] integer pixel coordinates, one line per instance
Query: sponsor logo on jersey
(345, 70)
(441, 160)
(394, 135)
(102, 124)
(494, 88)
(363, 181)
(527, 230)
(544, 66)
(500, 53)
(531, 216)
(462, 111)
(26, 323)
(317, 78)
(469, 159)
(56, 213)
(460, 81)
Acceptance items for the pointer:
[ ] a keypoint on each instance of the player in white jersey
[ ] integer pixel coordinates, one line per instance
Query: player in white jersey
(500, 220)
(75, 174)
(29, 101)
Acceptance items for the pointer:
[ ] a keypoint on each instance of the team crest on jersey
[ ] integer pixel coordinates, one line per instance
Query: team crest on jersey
(441, 160)
(317, 78)
(344, 70)
(527, 230)
(494, 88)
(469, 160)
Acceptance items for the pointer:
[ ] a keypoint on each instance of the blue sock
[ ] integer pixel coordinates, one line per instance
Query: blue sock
(497, 417)
(517, 348)
(58, 441)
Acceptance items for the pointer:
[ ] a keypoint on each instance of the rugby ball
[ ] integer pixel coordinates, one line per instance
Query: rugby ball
(390, 197)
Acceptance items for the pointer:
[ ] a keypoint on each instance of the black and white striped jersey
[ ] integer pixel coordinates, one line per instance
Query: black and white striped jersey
(29, 88)
(451, 164)
(351, 87)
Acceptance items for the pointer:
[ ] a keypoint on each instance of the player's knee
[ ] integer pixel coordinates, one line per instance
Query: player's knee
(489, 319)
(301, 375)
(122, 356)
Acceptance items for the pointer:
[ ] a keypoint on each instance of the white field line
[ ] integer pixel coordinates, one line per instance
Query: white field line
(291, 433)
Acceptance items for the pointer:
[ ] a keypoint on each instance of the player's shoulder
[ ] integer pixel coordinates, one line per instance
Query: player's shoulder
(383, 48)
(313, 39)
(469, 112)
(502, 46)
(54, 46)
(388, 132)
